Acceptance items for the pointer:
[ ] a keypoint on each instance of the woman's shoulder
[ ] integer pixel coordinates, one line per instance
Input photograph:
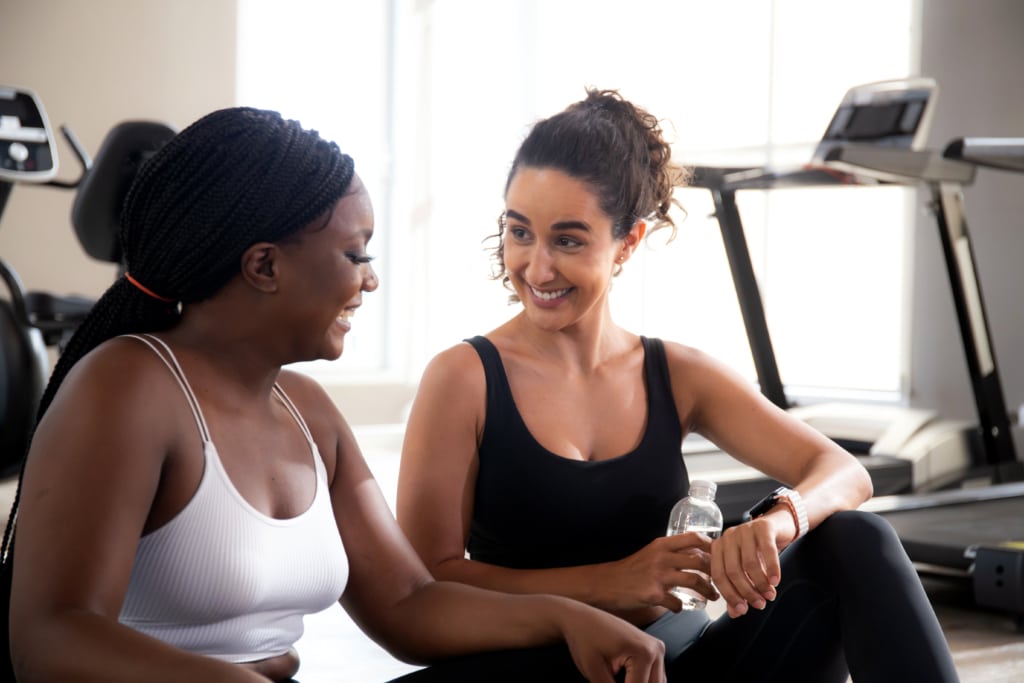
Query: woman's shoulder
(452, 384)
(677, 353)
(457, 362)
(121, 391)
(701, 377)
(697, 369)
(122, 364)
(308, 394)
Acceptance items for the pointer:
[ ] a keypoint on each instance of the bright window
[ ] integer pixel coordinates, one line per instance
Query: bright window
(327, 64)
(432, 98)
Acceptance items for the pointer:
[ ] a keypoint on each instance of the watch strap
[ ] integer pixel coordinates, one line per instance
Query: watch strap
(792, 499)
(782, 496)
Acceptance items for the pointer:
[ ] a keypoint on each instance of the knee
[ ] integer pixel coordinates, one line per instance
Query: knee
(852, 535)
(849, 525)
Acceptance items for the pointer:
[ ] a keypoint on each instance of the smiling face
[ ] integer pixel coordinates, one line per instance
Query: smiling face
(559, 251)
(332, 271)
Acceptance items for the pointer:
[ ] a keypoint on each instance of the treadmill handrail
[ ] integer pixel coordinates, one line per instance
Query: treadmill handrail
(900, 165)
(916, 501)
(1001, 153)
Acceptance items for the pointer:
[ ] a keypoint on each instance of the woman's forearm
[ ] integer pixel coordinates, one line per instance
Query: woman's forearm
(833, 487)
(444, 619)
(586, 583)
(598, 585)
(82, 647)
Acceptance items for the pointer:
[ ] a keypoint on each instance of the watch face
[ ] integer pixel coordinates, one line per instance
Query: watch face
(764, 505)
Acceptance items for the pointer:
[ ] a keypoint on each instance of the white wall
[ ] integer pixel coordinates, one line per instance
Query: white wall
(95, 63)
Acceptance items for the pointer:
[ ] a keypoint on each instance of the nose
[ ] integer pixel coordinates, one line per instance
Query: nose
(541, 265)
(370, 279)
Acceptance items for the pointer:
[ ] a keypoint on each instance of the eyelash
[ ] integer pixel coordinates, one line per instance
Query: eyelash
(519, 233)
(358, 259)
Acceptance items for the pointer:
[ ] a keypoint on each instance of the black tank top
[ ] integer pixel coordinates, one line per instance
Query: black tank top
(535, 509)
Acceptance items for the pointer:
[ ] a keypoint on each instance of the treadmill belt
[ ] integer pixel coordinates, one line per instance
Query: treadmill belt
(941, 535)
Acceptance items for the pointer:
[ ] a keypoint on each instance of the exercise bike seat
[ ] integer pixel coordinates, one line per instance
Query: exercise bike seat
(96, 212)
(95, 217)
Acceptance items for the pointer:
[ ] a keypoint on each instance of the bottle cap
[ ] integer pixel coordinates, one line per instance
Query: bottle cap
(704, 485)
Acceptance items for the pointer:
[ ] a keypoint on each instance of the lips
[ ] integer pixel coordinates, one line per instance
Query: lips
(344, 318)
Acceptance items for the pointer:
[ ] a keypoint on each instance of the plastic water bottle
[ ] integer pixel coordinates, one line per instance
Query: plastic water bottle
(696, 512)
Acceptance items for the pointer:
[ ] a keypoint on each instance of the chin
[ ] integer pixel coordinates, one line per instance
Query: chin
(332, 344)
(333, 352)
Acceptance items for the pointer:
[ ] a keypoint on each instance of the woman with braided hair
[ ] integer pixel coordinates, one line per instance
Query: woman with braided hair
(545, 456)
(186, 501)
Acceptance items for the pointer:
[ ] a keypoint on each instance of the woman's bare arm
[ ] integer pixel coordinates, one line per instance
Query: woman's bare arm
(90, 481)
(733, 415)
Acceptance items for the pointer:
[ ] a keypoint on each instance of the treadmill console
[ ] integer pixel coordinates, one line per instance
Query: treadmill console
(27, 149)
(885, 114)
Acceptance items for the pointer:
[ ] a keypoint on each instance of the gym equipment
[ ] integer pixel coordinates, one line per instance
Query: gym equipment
(903, 449)
(31, 321)
(972, 534)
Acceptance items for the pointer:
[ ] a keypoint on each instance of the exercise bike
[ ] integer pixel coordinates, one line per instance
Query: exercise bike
(31, 321)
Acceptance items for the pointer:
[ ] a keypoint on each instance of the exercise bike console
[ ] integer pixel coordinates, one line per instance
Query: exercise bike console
(27, 148)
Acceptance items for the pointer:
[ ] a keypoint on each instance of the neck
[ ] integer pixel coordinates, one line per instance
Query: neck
(583, 347)
(226, 345)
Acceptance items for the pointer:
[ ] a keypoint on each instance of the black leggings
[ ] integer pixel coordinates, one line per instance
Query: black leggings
(850, 603)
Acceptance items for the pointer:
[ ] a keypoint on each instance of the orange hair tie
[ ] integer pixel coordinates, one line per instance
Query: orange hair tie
(145, 290)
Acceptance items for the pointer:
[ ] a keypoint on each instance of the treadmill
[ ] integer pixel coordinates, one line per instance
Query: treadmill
(972, 534)
(904, 450)
(975, 532)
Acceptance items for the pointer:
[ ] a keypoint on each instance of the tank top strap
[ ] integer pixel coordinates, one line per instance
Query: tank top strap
(656, 366)
(318, 461)
(499, 392)
(661, 399)
(164, 353)
(296, 415)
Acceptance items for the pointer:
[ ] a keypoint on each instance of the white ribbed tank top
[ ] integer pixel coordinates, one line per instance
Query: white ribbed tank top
(224, 580)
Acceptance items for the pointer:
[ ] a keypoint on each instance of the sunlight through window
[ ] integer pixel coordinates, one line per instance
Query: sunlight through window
(433, 96)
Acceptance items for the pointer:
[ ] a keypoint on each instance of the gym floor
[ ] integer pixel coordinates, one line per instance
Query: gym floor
(986, 646)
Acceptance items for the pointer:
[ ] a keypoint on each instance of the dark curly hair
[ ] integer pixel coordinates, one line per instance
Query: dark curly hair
(614, 147)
